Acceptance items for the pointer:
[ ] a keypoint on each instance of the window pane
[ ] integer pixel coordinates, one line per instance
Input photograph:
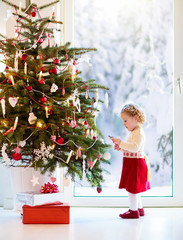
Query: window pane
(134, 59)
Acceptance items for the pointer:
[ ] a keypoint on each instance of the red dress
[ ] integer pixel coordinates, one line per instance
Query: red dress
(134, 175)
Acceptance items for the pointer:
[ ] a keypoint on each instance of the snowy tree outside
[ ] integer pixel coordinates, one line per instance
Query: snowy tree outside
(134, 40)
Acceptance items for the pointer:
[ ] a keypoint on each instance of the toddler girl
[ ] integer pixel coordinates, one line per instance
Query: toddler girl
(134, 177)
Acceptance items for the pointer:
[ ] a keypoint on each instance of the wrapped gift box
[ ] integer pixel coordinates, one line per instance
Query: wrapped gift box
(50, 213)
(33, 199)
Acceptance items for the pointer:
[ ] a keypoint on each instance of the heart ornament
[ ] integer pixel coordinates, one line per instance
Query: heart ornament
(53, 179)
(13, 101)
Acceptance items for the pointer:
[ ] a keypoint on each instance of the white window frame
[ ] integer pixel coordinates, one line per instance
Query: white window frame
(177, 199)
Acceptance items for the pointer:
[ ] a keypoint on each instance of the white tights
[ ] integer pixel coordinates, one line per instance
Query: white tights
(135, 201)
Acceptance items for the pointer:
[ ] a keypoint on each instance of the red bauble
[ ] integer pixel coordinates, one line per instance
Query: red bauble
(8, 81)
(17, 156)
(50, 111)
(24, 57)
(54, 70)
(33, 14)
(41, 81)
(57, 61)
(7, 68)
(43, 99)
(29, 88)
(40, 41)
(85, 123)
(42, 69)
(50, 71)
(99, 189)
(60, 140)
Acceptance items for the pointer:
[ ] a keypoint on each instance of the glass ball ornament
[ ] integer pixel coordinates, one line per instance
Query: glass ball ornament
(17, 156)
(43, 99)
(56, 61)
(60, 140)
(107, 156)
(24, 57)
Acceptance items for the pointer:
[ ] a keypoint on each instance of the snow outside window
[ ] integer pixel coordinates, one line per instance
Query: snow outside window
(134, 59)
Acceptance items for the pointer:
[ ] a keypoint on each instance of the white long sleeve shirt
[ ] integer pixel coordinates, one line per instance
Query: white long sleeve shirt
(135, 142)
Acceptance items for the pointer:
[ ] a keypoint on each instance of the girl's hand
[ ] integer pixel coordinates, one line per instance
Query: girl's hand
(116, 141)
(116, 147)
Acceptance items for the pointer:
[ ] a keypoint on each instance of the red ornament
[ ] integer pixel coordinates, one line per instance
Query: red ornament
(50, 111)
(54, 70)
(43, 99)
(41, 81)
(57, 61)
(60, 140)
(66, 56)
(24, 57)
(7, 68)
(17, 156)
(99, 189)
(85, 123)
(8, 81)
(42, 69)
(40, 40)
(33, 14)
(95, 138)
(50, 71)
(29, 88)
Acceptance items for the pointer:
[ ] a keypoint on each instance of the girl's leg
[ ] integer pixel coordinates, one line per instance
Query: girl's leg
(133, 201)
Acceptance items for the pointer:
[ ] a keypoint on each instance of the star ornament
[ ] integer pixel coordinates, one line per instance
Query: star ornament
(35, 181)
(90, 164)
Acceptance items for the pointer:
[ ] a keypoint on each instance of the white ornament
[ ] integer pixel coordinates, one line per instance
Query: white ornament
(13, 101)
(72, 69)
(3, 106)
(43, 153)
(15, 123)
(35, 181)
(76, 101)
(22, 143)
(69, 156)
(107, 156)
(32, 118)
(54, 88)
(4, 154)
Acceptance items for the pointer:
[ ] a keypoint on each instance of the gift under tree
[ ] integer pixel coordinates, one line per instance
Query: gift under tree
(47, 114)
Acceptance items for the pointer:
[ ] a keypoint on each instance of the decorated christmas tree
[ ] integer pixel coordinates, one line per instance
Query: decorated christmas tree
(47, 114)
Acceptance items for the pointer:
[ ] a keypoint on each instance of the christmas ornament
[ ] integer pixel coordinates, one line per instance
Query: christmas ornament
(71, 69)
(40, 123)
(54, 88)
(4, 154)
(53, 179)
(90, 164)
(85, 122)
(53, 70)
(9, 130)
(75, 99)
(12, 80)
(107, 156)
(86, 94)
(50, 112)
(25, 68)
(46, 110)
(33, 14)
(56, 61)
(17, 149)
(17, 156)
(24, 57)
(69, 156)
(63, 91)
(49, 188)
(73, 124)
(35, 181)
(32, 118)
(29, 88)
(60, 140)
(3, 106)
(50, 71)
(44, 153)
(22, 143)
(15, 123)
(7, 68)
(13, 101)
(42, 81)
(40, 40)
(43, 99)
(66, 56)
(42, 69)
(99, 189)
(53, 138)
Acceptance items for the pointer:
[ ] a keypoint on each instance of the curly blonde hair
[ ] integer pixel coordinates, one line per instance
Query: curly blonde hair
(134, 111)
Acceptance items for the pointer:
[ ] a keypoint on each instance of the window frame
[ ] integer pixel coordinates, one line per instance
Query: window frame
(177, 198)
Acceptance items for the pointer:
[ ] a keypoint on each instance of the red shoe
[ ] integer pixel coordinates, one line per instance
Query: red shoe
(130, 214)
(141, 212)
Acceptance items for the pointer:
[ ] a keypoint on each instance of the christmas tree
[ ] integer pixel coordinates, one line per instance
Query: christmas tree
(47, 114)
